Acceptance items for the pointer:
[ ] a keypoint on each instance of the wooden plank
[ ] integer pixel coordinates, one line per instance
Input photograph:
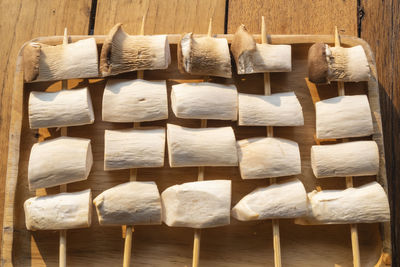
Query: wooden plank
(380, 28)
(294, 16)
(21, 21)
(173, 16)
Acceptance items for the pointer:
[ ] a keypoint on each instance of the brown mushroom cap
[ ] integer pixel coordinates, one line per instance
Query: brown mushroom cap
(105, 55)
(317, 63)
(242, 41)
(31, 58)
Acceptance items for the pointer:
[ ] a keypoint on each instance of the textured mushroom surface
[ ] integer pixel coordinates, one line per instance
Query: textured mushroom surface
(209, 101)
(135, 101)
(58, 212)
(60, 109)
(59, 161)
(201, 204)
(132, 203)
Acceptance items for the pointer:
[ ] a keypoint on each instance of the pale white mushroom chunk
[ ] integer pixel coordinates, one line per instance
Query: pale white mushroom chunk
(267, 157)
(277, 201)
(343, 116)
(357, 158)
(201, 204)
(135, 101)
(282, 109)
(132, 203)
(60, 109)
(59, 161)
(364, 204)
(192, 147)
(59, 212)
(134, 148)
(209, 101)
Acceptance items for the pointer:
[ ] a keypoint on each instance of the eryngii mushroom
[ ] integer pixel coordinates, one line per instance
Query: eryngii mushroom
(59, 161)
(364, 204)
(60, 62)
(132, 203)
(204, 101)
(123, 53)
(343, 116)
(60, 109)
(135, 101)
(282, 109)
(201, 204)
(326, 64)
(251, 57)
(267, 157)
(204, 56)
(277, 201)
(59, 212)
(134, 148)
(357, 158)
(190, 147)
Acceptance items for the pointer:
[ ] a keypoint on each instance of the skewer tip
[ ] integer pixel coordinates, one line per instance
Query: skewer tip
(65, 39)
(337, 38)
(263, 31)
(209, 33)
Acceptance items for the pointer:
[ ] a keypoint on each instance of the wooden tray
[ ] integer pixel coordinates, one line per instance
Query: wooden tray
(240, 243)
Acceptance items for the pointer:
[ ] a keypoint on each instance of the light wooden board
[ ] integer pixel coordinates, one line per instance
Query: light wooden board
(172, 16)
(294, 16)
(239, 244)
(22, 20)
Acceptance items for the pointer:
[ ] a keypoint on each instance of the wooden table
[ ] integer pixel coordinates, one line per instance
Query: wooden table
(375, 21)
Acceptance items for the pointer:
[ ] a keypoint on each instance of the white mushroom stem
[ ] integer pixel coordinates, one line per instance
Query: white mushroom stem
(364, 204)
(204, 101)
(201, 204)
(277, 201)
(134, 148)
(60, 109)
(135, 101)
(59, 212)
(190, 147)
(281, 109)
(132, 203)
(59, 161)
(343, 116)
(359, 158)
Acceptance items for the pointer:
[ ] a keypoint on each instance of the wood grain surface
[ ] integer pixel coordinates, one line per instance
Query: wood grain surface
(23, 20)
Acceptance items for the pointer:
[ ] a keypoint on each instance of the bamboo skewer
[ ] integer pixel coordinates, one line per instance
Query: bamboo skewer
(349, 179)
(270, 133)
(133, 176)
(200, 177)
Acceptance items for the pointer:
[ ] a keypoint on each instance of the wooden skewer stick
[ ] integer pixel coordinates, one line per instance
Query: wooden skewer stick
(270, 133)
(200, 177)
(133, 176)
(63, 188)
(349, 179)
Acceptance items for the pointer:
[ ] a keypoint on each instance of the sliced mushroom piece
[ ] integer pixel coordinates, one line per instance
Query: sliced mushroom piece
(326, 64)
(201, 204)
(210, 101)
(60, 109)
(135, 101)
(59, 212)
(282, 109)
(204, 56)
(267, 157)
(59, 161)
(134, 148)
(252, 57)
(132, 203)
(60, 62)
(364, 204)
(277, 201)
(357, 158)
(123, 53)
(343, 116)
(191, 147)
